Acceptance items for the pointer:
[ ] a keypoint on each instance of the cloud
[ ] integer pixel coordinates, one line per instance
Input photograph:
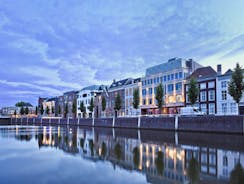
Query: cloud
(94, 42)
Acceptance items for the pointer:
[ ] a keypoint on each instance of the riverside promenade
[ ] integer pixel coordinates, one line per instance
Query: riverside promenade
(213, 124)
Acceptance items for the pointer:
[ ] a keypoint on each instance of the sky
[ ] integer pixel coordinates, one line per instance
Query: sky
(48, 47)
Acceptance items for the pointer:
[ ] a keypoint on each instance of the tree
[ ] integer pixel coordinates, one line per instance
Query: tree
(159, 162)
(82, 108)
(236, 85)
(52, 110)
(22, 110)
(42, 110)
(237, 175)
(26, 110)
(91, 105)
(193, 171)
(103, 103)
(136, 98)
(159, 96)
(36, 111)
(59, 110)
(117, 104)
(118, 151)
(47, 110)
(15, 113)
(74, 108)
(193, 91)
(136, 157)
(66, 110)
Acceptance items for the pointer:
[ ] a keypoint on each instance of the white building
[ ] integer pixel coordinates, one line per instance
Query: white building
(172, 75)
(129, 90)
(225, 103)
(85, 95)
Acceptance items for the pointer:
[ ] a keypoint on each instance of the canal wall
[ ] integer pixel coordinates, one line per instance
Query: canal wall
(213, 124)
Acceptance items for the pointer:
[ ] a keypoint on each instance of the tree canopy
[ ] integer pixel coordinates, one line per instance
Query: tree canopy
(193, 91)
(136, 98)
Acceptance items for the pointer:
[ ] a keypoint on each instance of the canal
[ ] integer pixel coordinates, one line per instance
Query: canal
(70, 154)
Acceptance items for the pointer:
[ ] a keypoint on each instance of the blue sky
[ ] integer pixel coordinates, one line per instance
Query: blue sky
(51, 46)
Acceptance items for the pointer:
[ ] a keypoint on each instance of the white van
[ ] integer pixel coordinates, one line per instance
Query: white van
(189, 111)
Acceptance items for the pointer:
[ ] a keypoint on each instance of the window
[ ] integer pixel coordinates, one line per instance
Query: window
(223, 84)
(161, 79)
(172, 77)
(203, 96)
(144, 92)
(178, 86)
(170, 87)
(211, 108)
(150, 101)
(212, 159)
(151, 81)
(155, 80)
(224, 95)
(180, 75)
(203, 86)
(144, 101)
(187, 87)
(211, 95)
(165, 78)
(148, 81)
(176, 76)
(224, 108)
(168, 77)
(211, 85)
(204, 108)
(150, 91)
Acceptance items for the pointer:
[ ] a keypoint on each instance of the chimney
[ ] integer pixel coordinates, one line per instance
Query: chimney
(219, 69)
(114, 80)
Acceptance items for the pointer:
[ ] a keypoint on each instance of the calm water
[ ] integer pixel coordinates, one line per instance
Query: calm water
(88, 155)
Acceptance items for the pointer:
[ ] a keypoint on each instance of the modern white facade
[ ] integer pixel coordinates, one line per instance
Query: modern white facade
(85, 95)
(225, 103)
(172, 75)
(129, 90)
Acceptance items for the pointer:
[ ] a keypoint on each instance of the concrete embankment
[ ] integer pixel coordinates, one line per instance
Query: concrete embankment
(215, 124)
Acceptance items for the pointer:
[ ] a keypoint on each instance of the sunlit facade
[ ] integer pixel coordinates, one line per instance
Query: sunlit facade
(172, 75)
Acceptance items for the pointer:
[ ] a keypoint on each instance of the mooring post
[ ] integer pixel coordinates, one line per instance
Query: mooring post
(68, 120)
(113, 133)
(11, 120)
(93, 121)
(78, 122)
(139, 122)
(59, 120)
(176, 138)
(139, 135)
(27, 120)
(176, 122)
(113, 121)
(49, 121)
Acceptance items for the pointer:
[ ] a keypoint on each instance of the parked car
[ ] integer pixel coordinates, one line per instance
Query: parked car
(190, 111)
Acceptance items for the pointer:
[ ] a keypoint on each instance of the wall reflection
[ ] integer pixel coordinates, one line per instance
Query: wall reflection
(160, 161)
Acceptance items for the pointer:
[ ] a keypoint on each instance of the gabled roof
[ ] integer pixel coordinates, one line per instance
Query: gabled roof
(203, 72)
(70, 92)
(93, 87)
(119, 83)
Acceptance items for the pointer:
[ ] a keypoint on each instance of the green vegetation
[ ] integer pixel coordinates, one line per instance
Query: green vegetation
(22, 110)
(117, 104)
(104, 150)
(91, 107)
(159, 162)
(236, 85)
(193, 91)
(159, 96)
(103, 103)
(26, 110)
(59, 110)
(36, 111)
(118, 151)
(136, 157)
(47, 110)
(66, 110)
(42, 110)
(74, 108)
(237, 175)
(193, 171)
(82, 109)
(136, 98)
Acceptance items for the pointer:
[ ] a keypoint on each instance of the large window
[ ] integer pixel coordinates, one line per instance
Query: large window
(172, 77)
(211, 95)
(144, 92)
(203, 96)
(170, 87)
(168, 77)
(150, 91)
(178, 86)
(223, 84)
(165, 78)
(224, 108)
(203, 86)
(204, 108)
(224, 95)
(180, 75)
(211, 85)
(176, 75)
(211, 108)
(155, 90)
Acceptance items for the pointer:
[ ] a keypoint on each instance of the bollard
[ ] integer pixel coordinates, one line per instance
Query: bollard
(113, 121)
(93, 122)
(139, 122)
(176, 122)
(78, 122)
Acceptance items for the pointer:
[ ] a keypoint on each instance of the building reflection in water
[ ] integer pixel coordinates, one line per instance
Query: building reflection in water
(160, 162)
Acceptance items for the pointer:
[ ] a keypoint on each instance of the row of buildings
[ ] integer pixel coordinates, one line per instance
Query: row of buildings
(174, 76)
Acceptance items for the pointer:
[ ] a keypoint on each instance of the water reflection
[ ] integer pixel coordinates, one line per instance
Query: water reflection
(159, 159)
